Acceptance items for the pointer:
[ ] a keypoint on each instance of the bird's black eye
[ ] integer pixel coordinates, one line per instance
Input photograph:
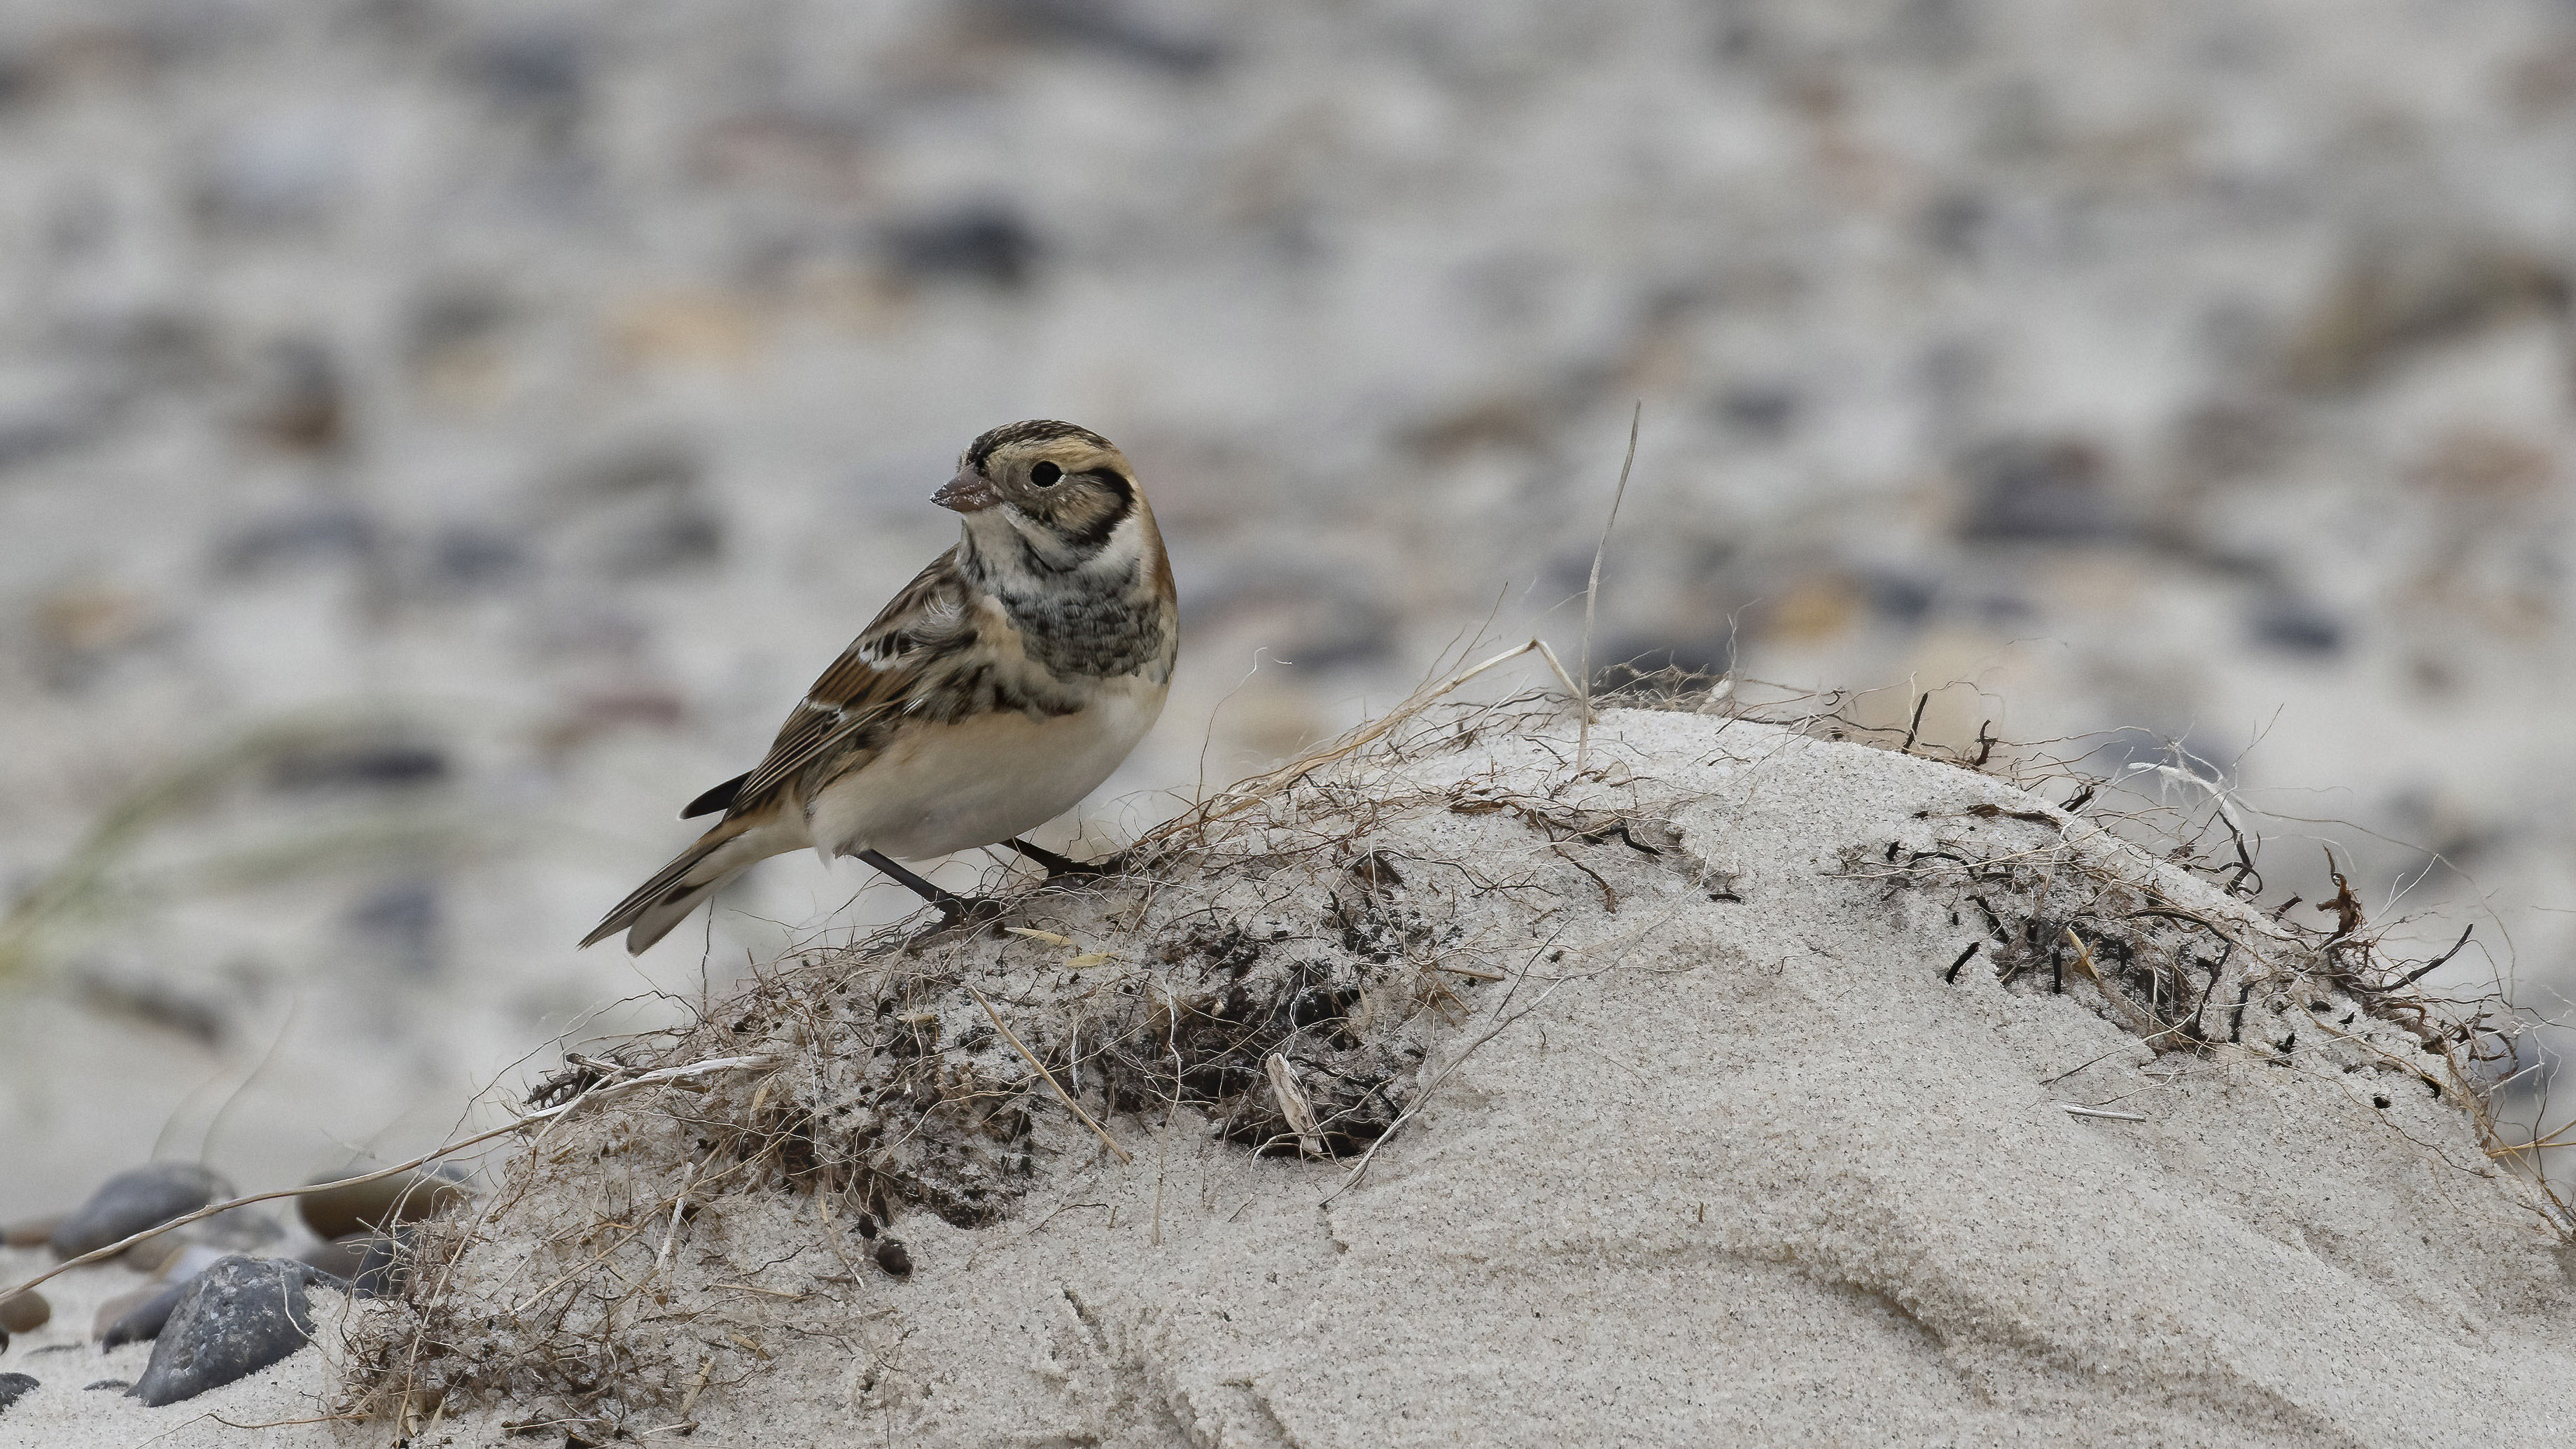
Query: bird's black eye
(1045, 474)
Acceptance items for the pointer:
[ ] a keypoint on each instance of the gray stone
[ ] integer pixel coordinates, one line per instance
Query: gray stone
(12, 1387)
(131, 1201)
(236, 1318)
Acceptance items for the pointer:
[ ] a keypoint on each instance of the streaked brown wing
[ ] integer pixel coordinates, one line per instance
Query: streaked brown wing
(869, 685)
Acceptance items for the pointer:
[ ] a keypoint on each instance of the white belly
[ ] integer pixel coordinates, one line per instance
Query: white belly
(942, 788)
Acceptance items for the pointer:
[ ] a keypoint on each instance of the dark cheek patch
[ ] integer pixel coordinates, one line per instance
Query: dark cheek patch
(1090, 516)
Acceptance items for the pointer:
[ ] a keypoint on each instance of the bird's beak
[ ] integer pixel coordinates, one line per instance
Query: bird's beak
(968, 492)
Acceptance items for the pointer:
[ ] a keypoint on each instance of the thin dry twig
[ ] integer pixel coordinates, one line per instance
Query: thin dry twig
(2072, 1109)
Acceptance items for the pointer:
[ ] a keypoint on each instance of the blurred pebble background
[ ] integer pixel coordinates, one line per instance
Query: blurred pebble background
(438, 438)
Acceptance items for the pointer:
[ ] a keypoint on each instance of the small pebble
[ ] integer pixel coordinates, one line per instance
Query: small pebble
(236, 1318)
(403, 1198)
(30, 1232)
(13, 1387)
(24, 1312)
(133, 1200)
(892, 1258)
(107, 1384)
(136, 1317)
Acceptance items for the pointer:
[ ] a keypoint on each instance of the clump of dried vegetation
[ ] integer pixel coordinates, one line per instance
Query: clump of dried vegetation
(1277, 960)
(1283, 960)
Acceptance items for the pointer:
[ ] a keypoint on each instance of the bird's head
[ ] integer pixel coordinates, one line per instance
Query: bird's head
(1062, 490)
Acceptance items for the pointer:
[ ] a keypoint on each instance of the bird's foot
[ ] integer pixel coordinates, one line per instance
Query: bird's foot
(1060, 867)
(959, 912)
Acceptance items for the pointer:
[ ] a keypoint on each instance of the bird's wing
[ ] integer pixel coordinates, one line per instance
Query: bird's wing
(873, 683)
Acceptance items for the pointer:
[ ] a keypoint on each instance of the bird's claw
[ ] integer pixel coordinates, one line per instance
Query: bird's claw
(956, 912)
(1059, 867)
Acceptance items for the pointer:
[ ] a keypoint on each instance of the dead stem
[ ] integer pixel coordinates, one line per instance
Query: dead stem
(1592, 591)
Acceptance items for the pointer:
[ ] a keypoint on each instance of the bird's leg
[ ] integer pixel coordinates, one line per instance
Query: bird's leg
(955, 908)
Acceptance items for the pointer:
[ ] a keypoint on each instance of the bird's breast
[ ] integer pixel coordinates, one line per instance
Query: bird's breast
(936, 787)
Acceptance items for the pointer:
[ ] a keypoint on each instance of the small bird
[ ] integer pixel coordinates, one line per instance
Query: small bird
(998, 689)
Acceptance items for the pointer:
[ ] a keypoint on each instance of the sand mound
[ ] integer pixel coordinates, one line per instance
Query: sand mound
(1687, 1114)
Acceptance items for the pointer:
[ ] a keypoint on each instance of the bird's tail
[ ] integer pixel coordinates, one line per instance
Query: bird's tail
(682, 886)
